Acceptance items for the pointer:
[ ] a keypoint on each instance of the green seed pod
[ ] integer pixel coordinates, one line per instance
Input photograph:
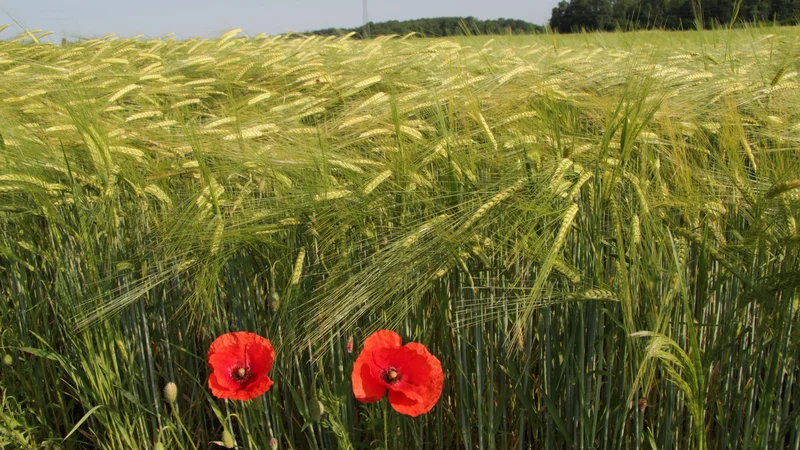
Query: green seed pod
(316, 409)
(8, 360)
(170, 392)
(159, 446)
(227, 439)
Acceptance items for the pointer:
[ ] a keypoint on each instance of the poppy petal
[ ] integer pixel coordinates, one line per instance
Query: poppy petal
(221, 362)
(382, 339)
(260, 355)
(422, 381)
(249, 391)
(257, 386)
(366, 387)
(223, 341)
(417, 378)
(436, 373)
(240, 349)
(378, 352)
(405, 405)
(220, 390)
(381, 359)
(414, 366)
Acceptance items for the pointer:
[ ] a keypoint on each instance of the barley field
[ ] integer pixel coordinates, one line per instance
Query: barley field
(596, 235)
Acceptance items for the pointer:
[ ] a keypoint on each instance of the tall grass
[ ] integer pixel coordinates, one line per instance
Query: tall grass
(595, 233)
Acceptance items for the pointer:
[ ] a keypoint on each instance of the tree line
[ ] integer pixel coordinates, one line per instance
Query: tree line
(593, 15)
(438, 26)
(610, 15)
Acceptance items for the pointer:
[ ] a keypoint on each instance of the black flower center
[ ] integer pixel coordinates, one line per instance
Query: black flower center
(391, 376)
(240, 373)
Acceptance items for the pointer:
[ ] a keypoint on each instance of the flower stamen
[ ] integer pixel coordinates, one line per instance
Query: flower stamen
(240, 373)
(391, 376)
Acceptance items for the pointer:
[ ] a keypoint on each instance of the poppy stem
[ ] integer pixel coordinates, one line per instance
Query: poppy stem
(386, 423)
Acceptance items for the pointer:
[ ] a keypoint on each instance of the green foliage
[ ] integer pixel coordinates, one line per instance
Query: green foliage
(438, 26)
(611, 15)
(595, 233)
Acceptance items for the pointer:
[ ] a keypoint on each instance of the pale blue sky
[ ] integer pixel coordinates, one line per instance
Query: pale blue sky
(188, 18)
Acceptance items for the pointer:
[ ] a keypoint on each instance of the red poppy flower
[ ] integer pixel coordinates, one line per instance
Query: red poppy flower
(239, 364)
(412, 375)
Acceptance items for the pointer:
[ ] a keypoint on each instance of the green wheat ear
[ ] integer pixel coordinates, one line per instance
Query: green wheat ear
(570, 223)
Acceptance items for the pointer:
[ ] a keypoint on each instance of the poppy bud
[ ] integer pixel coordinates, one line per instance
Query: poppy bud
(170, 392)
(227, 439)
(273, 443)
(8, 360)
(159, 446)
(350, 345)
(316, 409)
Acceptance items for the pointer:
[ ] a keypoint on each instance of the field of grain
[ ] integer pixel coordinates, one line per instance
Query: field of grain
(596, 234)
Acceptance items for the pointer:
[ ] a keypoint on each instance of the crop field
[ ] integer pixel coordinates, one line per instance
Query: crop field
(595, 234)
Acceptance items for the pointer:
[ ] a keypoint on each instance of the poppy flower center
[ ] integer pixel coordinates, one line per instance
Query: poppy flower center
(240, 373)
(391, 376)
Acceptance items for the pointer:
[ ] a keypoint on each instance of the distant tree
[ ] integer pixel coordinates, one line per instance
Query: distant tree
(785, 12)
(576, 15)
(441, 26)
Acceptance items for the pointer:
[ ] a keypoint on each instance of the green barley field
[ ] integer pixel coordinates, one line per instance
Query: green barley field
(596, 235)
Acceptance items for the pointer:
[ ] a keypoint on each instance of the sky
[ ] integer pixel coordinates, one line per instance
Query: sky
(211, 18)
